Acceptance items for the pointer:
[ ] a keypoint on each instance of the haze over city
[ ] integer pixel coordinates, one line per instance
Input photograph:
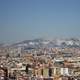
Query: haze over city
(29, 19)
(39, 39)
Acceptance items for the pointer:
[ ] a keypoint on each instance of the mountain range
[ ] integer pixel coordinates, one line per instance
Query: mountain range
(42, 43)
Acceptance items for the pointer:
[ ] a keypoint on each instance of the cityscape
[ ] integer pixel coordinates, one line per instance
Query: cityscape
(39, 39)
(40, 59)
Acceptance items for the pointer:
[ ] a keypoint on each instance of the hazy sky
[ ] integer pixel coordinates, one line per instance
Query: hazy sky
(29, 19)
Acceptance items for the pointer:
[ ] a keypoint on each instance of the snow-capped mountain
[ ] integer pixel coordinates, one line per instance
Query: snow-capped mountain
(41, 43)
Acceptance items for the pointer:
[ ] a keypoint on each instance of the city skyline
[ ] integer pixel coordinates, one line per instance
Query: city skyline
(29, 19)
